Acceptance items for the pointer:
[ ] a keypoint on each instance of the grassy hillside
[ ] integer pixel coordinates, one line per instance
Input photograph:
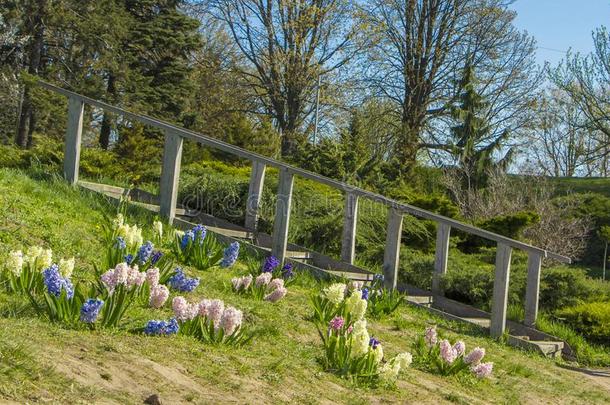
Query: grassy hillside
(44, 362)
(599, 185)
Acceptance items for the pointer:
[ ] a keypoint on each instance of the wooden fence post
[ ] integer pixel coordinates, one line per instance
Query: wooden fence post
(170, 173)
(392, 248)
(255, 192)
(350, 219)
(74, 131)
(282, 215)
(532, 290)
(443, 233)
(500, 294)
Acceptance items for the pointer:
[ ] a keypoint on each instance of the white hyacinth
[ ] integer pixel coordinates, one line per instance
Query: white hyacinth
(66, 267)
(14, 263)
(158, 229)
(335, 293)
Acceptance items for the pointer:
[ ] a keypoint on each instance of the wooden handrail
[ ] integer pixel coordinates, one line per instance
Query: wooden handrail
(346, 188)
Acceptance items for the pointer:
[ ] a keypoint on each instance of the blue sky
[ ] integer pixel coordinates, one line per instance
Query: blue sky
(561, 24)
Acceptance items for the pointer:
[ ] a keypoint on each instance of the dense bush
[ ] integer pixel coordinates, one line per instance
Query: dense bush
(511, 226)
(563, 287)
(591, 320)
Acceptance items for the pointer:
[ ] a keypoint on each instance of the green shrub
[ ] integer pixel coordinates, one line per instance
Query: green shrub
(511, 226)
(562, 287)
(592, 320)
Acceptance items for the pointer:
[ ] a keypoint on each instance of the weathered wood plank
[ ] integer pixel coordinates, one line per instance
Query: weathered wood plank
(74, 131)
(282, 215)
(443, 233)
(392, 248)
(170, 173)
(534, 263)
(350, 219)
(500, 293)
(255, 192)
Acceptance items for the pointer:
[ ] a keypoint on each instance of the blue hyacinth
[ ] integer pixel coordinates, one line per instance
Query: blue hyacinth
(230, 255)
(54, 282)
(180, 282)
(365, 293)
(154, 327)
(145, 252)
(378, 277)
(270, 264)
(90, 310)
(120, 243)
(156, 256)
(287, 271)
(374, 343)
(128, 258)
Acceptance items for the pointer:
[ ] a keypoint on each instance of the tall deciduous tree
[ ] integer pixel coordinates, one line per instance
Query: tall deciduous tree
(288, 45)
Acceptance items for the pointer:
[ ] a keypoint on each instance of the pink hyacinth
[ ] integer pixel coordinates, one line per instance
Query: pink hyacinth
(336, 323)
(246, 281)
(276, 283)
(152, 276)
(158, 295)
(181, 309)
(237, 283)
(231, 320)
(263, 279)
(276, 295)
(475, 356)
(215, 310)
(447, 353)
(430, 336)
(121, 273)
(459, 347)
(109, 280)
(350, 329)
(483, 370)
(203, 308)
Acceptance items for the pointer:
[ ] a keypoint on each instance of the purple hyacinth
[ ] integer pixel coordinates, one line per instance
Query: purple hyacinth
(145, 252)
(180, 282)
(270, 264)
(154, 327)
(128, 258)
(336, 323)
(230, 255)
(54, 282)
(374, 343)
(156, 256)
(90, 310)
(287, 271)
(365, 293)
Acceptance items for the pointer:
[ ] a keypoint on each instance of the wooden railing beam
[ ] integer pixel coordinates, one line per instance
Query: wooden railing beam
(443, 233)
(391, 256)
(532, 289)
(74, 131)
(170, 173)
(255, 193)
(350, 219)
(500, 291)
(282, 215)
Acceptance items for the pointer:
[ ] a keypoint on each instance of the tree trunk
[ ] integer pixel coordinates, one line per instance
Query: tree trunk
(25, 129)
(107, 119)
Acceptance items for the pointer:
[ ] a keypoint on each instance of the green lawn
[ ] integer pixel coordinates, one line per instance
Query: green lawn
(599, 185)
(43, 362)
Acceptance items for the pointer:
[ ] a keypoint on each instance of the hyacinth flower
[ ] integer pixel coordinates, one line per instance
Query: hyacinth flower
(230, 255)
(122, 286)
(180, 282)
(210, 321)
(122, 240)
(270, 264)
(162, 328)
(90, 310)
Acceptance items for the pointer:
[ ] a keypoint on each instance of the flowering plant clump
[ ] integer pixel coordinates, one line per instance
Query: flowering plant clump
(180, 282)
(123, 285)
(123, 241)
(61, 301)
(200, 249)
(352, 353)
(272, 265)
(448, 359)
(158, 293)
(210, 321)
(339, 300)
(23, 271)
(381, 300)
(263, 287)
(90, 310)
(162, 328)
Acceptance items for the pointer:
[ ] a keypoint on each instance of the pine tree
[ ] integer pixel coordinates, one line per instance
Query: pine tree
(473, 146)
